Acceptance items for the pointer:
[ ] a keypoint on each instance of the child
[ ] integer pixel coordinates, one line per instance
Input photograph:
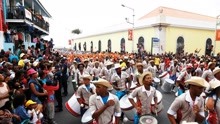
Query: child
(35, 115)
(50, 87)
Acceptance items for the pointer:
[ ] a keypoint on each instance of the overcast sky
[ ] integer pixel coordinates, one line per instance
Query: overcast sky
(89, 15)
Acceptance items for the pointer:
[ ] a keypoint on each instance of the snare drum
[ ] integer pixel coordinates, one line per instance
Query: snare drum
(147, 119)
(73, 106)
(87, 117)
(133, 85)
(167, 85)
(157, 81)
(127, 108)
(164, 76)
(159, 103)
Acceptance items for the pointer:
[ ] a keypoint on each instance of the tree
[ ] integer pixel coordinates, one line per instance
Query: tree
(76, 31)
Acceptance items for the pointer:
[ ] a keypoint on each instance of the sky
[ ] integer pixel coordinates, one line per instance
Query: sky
(91, 15)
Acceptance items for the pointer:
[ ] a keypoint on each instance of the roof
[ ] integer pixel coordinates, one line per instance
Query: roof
(177, 13)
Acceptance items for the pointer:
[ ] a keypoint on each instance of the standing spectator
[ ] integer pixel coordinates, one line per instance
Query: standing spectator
(64, 76)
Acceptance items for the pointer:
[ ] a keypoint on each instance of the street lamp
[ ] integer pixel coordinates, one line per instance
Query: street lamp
(132, 23)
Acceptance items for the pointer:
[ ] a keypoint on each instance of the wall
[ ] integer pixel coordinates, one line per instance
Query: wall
(193, 39)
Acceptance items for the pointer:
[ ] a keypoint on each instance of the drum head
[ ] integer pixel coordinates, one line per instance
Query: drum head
(163, 74)
(156, 80)
(148, 120)
(159, 97)
(87, 117)
(125, 103)
(169, 81)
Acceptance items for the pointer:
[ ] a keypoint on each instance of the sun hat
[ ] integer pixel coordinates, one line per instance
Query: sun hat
(117, 65)
(216, 70)
(21, 55)
(30, 102)
(139, 64)
(87, 76)
(214, 83)
(197, 81)
(210, 63)
(31, 71)
(102, 82)
(141, 78)
(108, 63)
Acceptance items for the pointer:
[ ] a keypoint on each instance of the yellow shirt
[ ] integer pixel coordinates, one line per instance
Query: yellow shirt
(21, 63)
(157, 61)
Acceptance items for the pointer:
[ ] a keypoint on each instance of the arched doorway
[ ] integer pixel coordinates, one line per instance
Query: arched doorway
(208, 47)
(100, 46)
(75, 48)
(79, 46)
(180, 45)
(109, 45)
(140, 45)
(91, 49)
(122, 45)
(84, 46)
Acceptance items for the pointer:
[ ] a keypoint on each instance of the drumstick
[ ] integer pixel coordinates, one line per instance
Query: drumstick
(156, 111)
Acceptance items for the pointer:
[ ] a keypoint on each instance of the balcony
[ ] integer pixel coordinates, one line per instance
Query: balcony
(20, 14)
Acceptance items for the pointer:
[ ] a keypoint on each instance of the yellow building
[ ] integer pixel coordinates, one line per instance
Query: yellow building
(162, 30)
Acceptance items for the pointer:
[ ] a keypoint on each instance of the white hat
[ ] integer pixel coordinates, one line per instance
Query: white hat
(21, 55)
(108, 63)
(117, 65)
(214, 83)
(103, 82)
(198, 81)
(26, 60)
(35, 63)
(87, 76)
(126, 57)
(216, 70)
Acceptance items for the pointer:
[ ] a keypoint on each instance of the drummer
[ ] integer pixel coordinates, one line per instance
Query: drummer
(119, 80)
(104, 105)
(84, 92)
(138, 73)
(190, 105)
(144, 95)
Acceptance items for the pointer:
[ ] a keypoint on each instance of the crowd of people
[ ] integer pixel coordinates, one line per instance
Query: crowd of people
(33, 82)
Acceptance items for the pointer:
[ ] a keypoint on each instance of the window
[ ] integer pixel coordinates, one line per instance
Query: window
(122, 45)
(109, 45)
(75, 48)
(180, 45)
(100, 46)
(140, 45)
(91, 49)
(208, 46)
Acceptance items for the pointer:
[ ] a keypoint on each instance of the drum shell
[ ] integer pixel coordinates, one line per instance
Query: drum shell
(157, 81)
(73, 106)
(87, 117)
(164, 76)
(143, 119)
(159, 103)
(127, 107)
(167, 85)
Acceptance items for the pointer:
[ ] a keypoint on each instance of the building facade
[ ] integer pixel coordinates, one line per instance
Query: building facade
(23, 23)
(162, 30)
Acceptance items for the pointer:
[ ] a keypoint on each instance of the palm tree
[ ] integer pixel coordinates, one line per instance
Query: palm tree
(76, 31)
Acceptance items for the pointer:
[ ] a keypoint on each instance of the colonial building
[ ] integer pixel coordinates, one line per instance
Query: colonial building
(162, 30)
(22, 22)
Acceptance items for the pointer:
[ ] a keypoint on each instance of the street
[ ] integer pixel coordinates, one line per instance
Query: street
(65, 117)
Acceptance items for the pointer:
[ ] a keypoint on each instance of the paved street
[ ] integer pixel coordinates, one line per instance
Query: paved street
(65, 117)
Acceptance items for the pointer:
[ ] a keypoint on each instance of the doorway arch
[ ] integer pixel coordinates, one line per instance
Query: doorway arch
(122, 45)
(100, 46)
(208, 46)
(180, 45)
(109, 45)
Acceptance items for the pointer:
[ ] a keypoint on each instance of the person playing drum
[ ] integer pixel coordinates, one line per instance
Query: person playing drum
(144, 95)
(190, 105)
(84, 92)
(104, 105)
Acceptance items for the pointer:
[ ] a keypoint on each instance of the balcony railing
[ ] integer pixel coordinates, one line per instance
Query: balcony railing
(14, 12)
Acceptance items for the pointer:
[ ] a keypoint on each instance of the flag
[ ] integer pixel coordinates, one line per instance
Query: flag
(130, 34)
(217, 35)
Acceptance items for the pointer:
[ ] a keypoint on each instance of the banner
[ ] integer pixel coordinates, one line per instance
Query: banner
(28, 14)
(130, 34)
(217, 35)
(155, 45)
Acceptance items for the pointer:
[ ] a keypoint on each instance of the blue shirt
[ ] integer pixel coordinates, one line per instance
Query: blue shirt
(21, 112)
(105, 99)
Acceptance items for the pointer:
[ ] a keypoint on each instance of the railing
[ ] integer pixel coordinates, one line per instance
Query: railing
(19, 12)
